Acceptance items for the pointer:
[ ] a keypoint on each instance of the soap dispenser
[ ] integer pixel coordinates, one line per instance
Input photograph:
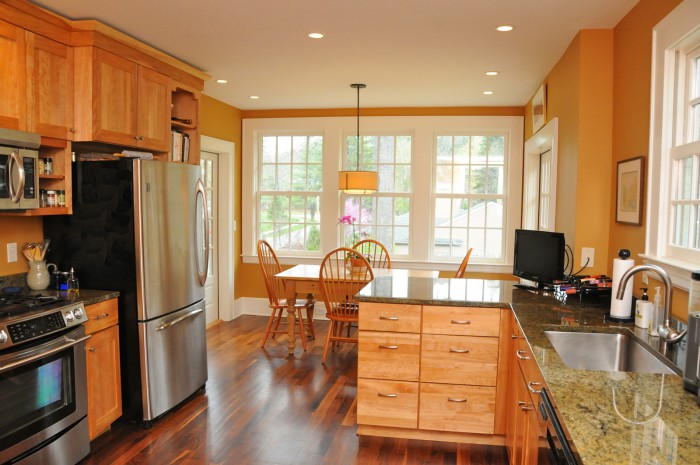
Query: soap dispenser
(657, 315)
(644, 311)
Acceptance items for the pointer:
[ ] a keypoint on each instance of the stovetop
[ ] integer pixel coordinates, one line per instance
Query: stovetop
(22, 303)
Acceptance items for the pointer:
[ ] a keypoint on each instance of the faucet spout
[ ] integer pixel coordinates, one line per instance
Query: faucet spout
(670, 335)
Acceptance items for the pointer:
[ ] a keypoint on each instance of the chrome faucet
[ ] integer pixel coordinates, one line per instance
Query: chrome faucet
(670, 335)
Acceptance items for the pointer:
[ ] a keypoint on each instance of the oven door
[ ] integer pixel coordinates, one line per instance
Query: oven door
(19, 179)
(555, 448)
(42, 393)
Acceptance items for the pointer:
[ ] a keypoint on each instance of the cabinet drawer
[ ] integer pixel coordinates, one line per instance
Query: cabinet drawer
(386, 355)
(101, 315)
(459, 359)
(464, 321)
(387, 403)
(390, 317)
(450, 407)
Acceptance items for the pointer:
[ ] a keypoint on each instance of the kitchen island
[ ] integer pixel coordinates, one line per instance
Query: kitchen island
(611, 417)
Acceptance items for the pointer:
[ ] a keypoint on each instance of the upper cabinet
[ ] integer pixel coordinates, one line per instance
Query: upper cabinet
(13, 98)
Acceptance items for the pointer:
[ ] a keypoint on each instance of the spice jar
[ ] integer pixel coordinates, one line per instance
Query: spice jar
(48, 166)
(61, 198)
(41, 165)
(43, 200)
(51, 199)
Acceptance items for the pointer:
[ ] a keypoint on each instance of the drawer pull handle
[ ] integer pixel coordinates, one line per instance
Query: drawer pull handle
(459, 351)
(386, 346)
(461, 322)
(520, 355)
(533, 390)
(521, 403)
(390, 318)
(513, 336)
(381, 394)
(525, 408)
(99, 317)
(456, 399)
(91, 349)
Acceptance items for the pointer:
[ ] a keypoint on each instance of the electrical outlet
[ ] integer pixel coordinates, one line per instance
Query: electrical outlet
(11, 252)
(587, 255)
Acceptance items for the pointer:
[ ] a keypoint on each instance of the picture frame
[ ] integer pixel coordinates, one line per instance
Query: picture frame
(539, 109)
(630, 186)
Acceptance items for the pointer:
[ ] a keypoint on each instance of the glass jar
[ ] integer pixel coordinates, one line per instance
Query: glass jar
(41, 165)
(61, 198)
(48, 166)
(43, 199)
(51, 199)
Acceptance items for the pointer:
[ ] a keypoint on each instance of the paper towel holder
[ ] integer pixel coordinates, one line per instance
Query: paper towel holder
(624, 254)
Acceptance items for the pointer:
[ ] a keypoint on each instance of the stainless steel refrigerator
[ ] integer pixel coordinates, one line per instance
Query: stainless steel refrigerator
(140, 227)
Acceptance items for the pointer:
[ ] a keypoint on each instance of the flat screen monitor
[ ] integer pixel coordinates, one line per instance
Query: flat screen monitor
(539, 255)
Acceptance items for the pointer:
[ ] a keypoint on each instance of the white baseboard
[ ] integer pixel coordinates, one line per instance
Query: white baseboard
(258, 306)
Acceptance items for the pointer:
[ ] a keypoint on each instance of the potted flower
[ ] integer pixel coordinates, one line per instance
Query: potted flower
(352, 259)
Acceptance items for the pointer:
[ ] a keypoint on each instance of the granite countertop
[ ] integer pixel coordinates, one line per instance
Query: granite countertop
(86, 296)
(612, 417)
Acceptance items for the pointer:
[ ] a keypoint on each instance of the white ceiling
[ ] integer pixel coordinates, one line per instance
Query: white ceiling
(410, 53)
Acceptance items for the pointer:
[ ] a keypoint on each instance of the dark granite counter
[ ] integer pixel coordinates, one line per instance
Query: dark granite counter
(612, 417)
(86, 296)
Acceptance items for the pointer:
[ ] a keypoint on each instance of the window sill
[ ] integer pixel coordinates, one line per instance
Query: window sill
(405, 264)
(678, 270)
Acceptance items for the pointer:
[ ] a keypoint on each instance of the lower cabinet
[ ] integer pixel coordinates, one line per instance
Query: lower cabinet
(103, 370)
(431, 372)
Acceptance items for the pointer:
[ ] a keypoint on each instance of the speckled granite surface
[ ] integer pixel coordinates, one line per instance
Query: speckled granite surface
(612, 417)
(86, 296)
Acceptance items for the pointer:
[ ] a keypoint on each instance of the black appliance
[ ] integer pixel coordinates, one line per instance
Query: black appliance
(559, 448)
(539, 256)
(43, 385)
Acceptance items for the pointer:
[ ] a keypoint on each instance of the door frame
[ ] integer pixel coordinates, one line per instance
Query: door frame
(545, 139)
(226, 224)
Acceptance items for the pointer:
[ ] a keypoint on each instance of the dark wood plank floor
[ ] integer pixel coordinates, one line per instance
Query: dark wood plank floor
(262, 407)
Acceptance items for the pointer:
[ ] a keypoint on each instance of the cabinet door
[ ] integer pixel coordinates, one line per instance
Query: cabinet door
(458, 408)
(387, 355)
(465, 321)
(459, 359)
(114, 99)
(103, 380)
(50, 89)
(387, 403)
(153, 115)
(13, 94)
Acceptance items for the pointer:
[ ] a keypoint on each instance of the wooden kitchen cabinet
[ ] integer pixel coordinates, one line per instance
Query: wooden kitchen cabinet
(120, 102)
(13, 89)
(430, 372)
(103, 368)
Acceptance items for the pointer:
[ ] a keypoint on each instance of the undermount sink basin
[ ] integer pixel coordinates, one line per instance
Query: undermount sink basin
(608, 352)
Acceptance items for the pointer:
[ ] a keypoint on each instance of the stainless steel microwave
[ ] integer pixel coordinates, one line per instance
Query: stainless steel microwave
(19, 173)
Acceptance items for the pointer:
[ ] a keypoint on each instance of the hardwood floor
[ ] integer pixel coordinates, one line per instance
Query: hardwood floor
(261, 407)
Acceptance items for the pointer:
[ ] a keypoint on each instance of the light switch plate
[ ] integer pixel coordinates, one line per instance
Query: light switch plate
(11, 252)
(587, 253)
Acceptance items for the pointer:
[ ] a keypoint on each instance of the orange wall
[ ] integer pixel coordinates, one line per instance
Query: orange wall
(631, 115)
(19, 230)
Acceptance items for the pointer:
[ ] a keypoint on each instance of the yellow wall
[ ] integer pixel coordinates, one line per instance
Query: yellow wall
(631, 113)
(19, 230)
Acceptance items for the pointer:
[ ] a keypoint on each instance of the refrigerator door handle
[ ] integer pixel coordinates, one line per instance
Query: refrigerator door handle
(203, 273)
(179, 320)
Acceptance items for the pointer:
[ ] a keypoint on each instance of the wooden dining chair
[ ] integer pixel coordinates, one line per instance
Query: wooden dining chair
(270, 266)
(374, 251)
(339, 284)
(463, 265)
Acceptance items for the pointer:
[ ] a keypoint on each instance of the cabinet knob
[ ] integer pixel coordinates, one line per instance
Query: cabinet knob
(138, 137)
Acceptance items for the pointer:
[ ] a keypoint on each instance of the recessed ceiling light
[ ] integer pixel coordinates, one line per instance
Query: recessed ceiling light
(316, 35)
(504, 28)
(221, 81)
(254, 97)
(487, 92)
(492, 73)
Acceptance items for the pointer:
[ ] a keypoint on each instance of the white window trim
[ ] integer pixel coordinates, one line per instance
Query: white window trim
(667, 36)
(423, 130)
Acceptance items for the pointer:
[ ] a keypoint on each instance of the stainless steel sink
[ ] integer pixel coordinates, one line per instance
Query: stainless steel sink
(609, 352)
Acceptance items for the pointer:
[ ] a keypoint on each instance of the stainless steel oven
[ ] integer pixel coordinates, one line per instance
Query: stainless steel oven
(19, 174)
(43, 392)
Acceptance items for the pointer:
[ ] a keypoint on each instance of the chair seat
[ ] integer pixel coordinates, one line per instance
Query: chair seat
(299, 303)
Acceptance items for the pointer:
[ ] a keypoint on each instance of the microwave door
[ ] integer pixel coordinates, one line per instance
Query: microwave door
(4, 176)
(17, 177)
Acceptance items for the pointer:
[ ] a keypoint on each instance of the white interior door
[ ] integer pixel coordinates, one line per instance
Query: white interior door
(209, 165)
(540, 179)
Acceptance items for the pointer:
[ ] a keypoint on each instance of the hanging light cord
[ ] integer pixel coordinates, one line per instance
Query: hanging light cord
(357, 141)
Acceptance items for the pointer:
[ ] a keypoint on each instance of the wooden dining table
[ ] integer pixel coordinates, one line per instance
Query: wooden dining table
(304, 279)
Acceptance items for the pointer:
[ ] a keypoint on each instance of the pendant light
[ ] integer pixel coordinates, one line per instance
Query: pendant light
(357, 182)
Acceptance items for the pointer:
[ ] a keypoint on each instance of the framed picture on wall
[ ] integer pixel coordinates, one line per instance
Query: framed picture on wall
(539, 109)
(630, 185)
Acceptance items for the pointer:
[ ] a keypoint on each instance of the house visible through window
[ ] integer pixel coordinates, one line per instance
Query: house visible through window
(384, 216)
(289, 194)
(469, 196)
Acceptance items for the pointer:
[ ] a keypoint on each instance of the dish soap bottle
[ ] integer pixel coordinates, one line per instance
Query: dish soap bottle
(657, 314)
(644, 311)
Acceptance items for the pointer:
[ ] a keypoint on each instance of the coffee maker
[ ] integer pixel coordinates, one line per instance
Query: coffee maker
(692, 357)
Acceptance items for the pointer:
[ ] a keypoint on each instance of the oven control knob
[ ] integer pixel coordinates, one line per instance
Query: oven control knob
(79, 313)
(3, 336)
(69, 316)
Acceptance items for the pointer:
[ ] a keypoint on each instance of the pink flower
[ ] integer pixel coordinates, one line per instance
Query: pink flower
(347, 219)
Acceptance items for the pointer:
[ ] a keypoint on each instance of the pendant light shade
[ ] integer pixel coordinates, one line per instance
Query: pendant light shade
(357, 182)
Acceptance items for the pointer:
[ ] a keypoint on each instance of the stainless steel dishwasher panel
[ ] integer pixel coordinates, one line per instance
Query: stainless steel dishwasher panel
(173, 359)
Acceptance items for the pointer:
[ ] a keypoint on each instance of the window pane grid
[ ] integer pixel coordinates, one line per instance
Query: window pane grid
(290, 182)
(384, 216)
(469, 196)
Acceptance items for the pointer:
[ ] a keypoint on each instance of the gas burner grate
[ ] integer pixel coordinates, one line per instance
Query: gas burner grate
(14, 304)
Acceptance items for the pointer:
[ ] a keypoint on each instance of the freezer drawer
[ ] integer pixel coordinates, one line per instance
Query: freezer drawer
(173, 359)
